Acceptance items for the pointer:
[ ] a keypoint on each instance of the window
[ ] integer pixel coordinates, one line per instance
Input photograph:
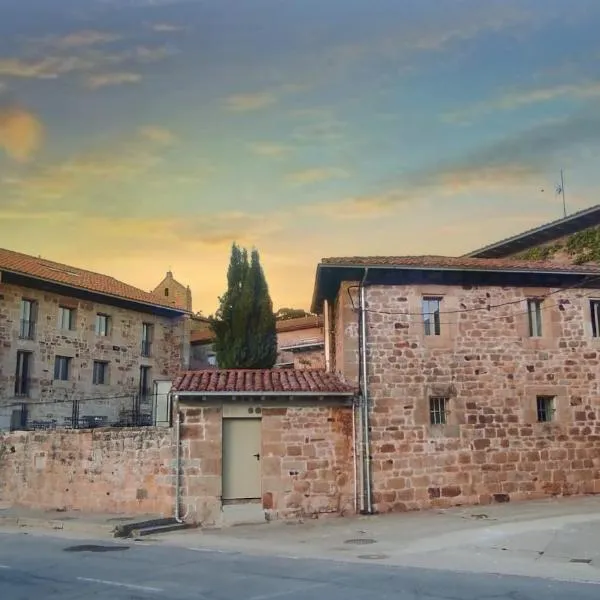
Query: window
(534, 314)
(28, 319)
(595, 312)
(438, 410)
(100, 376)
(145, 382)
(545, 408)
(66, 318)
(166, 292)
(62, 368)
(147, 332)
(22, 373)
(102, 324)
(431, 315)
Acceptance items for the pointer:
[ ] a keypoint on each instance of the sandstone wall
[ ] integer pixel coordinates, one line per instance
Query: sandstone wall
(492, 448)
(108, 470)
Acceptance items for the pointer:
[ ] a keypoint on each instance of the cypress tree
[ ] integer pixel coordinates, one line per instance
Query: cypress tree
(244, 325)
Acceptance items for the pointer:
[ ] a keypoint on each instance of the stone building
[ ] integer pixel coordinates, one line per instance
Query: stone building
(68, 335)
(573, 239)
(174, 293)
(479, 378)
(300, 344)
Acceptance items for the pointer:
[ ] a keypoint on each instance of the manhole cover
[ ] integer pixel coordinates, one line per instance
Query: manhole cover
(92, 548)
(581, 561)
(373, 556)
(361, 541)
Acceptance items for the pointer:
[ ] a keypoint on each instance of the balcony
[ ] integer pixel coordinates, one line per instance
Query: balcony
(27, 329)
(22, 387)
(146, 348)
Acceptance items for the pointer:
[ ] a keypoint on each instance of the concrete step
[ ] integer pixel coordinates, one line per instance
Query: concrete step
(243, 514)
(127, 529)
(158, 529)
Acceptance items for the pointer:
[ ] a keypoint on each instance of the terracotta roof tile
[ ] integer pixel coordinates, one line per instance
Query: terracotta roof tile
(73, 277)
(452, 262)
(262, 381)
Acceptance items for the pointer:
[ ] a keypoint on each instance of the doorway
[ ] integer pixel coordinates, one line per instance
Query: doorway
(241, 460)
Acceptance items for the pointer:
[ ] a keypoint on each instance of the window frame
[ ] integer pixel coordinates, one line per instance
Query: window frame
(72, 318)
(107, 322)
(545, 407)
(535, 326)
(58, 371)
(23, 369)
(595, 317)
(438, 410)
(100, 367)
(428, 330)
(27, 323)
(145, 378)
(147, 339)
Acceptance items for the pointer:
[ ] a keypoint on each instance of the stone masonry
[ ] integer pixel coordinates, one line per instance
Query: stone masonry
(120, 349)
(306, 461)
(492, 447)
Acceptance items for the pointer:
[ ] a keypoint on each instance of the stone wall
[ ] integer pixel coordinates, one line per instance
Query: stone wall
(121, 349)
(306, 461)
(103, 470)
(492, 447)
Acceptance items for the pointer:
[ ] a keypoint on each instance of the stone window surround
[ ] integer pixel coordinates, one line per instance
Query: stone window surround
(105, 372)
(562, 407)
(455, 411)
(108, 321)
(551, 322)
(448, 322)
(589, 316)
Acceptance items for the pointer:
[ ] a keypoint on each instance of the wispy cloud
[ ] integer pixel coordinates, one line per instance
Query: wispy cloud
(158, 134)
(250, 102)
(167, 27)
(111, 79)
(270, 149)
(316, 175)
(21, 132)
(86, 37)
(525, 97)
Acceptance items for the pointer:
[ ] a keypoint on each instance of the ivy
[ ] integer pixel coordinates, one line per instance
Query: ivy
(582, 247)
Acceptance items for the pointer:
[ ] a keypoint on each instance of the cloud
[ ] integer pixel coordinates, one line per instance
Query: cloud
(519, 98)
(249, 102)
(86, 37)
(111, 79)
(21, 132)
(316, 175)
(157, 134)
(167, 27)
(270, 149)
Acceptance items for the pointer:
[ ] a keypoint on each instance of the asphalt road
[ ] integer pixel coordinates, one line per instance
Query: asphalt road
(53, 568)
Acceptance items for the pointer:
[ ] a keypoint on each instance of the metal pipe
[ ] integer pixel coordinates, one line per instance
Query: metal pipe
(355, 456)
(178, 466)
(365, 397)
(327, 327)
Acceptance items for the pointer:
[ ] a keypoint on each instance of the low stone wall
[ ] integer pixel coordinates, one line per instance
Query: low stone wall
(97, 470)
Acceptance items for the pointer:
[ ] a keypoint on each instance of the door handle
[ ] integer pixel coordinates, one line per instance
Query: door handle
(256, 456)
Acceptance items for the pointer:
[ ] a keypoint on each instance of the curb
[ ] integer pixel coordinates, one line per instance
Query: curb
(57, 525)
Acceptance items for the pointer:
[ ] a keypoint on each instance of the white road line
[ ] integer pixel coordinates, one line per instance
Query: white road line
(216, 551)
(130, 586)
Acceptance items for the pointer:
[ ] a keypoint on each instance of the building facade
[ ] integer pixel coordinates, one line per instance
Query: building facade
(479, 378)
(80, 345)
(174, 293)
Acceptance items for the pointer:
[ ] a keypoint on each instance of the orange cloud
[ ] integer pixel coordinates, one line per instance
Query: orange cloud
(21, 133)
(109, 79)
(249, 102)
(316, 175)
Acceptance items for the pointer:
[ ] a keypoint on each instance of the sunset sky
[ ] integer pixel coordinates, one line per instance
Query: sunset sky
(142, 135)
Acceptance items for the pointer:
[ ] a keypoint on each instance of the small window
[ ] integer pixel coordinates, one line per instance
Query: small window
(23, 373)
(545, 408)
(62, 368)
(145, 383)
(431, 315)
(147, 335)
(595, 314)
(534, 314)
(102, 325)
(66, 318)
(100, 376)
(438, 410)
(28, 319)
(166, 292)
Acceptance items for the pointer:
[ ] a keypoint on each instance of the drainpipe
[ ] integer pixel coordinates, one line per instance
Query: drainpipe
(327, 327)
(367, 507)
(355, 461)
(177, 464)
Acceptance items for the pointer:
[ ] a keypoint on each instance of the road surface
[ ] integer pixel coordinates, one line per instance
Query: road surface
(54, 568)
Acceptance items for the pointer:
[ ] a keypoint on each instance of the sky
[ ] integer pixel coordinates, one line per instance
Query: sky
(138, 136)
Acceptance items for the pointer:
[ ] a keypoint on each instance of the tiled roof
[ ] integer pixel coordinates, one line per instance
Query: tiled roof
(461, 263)
(205, 334)
(73, 277)
(262, 381)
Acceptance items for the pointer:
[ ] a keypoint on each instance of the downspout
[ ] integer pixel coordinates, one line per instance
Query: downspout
(355, 456)
(327, 327)
(364, 388)
(178, 465)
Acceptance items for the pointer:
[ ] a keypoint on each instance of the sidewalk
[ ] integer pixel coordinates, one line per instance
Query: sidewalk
(553, 539)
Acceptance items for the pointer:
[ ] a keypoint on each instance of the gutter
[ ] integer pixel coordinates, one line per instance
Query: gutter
(263, 394)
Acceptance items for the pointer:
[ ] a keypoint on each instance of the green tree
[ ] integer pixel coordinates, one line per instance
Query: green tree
(283, 314)
(244, 325)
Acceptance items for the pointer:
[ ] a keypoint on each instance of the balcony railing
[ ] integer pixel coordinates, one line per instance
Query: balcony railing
(22, 387)
(146, 348)
(27, 329)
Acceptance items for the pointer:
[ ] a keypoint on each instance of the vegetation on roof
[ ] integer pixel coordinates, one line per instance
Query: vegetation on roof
(581, 247)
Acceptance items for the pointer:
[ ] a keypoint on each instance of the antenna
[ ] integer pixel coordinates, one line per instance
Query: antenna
(560, 190)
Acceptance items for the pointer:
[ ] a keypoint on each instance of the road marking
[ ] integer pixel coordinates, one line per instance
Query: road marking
(216, 551)
(130, 586)
(5, 567)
